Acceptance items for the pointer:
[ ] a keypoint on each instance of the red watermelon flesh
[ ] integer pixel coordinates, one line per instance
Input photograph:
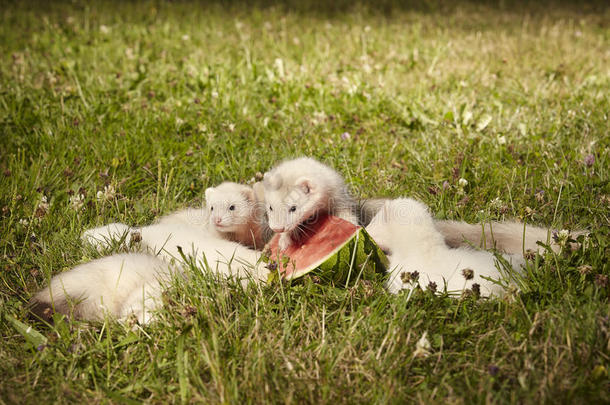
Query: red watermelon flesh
(328, 243)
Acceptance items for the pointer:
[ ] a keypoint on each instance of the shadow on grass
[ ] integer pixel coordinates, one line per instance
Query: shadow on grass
(430, 6)
(335, 7)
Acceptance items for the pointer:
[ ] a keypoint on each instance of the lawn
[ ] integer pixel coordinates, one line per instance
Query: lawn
(125, 111)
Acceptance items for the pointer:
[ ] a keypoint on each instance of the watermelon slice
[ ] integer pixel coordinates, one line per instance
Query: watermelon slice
(335, 250)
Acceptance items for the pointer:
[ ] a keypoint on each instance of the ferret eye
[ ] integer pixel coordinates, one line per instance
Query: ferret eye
(232, 207)
(270, 208)
(293, 208)
(211, 208)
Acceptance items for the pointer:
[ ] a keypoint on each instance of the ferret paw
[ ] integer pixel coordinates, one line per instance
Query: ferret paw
(103, 236)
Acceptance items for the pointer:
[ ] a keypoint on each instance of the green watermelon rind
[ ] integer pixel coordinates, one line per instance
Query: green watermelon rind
(341, 267)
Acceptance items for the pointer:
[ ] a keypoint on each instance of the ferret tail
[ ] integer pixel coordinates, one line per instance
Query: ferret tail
(509, 237)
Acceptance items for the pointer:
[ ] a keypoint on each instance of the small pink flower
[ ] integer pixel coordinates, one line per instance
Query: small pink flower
(346, 136)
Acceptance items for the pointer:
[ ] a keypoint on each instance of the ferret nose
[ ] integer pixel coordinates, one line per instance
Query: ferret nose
(278, 230)
(217, 220)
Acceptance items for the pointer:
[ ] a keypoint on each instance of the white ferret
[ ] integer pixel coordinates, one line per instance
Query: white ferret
(131, 283)
(405, 228)
(509, 237)
(297, 190)
(231, 212)
(118, 285)
(122, 284)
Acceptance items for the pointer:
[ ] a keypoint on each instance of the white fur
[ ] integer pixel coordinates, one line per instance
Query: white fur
(298, 189)
(197, 217)
(116, 285)
(167, 240)
(406, 229)
(235, 213)
(130, 283)
(103, 236)
(508, 237)
(244, 223)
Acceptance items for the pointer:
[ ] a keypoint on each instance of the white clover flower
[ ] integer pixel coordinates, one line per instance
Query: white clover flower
(108, 193)
(104, 29)
(561, 237)
(423, 346)
(214, 94)
(24, 222)
(496, 203)
(201, 128)
(179, 121)
(462, 182)
(77, 201)
(502, 140)
(43, 205)
(185, 37)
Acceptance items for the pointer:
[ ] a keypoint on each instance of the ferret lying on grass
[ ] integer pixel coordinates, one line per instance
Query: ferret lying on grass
(231, 212)
(123, 284)
(405, 229)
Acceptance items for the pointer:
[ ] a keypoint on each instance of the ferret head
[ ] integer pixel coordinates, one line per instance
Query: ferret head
(230, 205)
(290, 204)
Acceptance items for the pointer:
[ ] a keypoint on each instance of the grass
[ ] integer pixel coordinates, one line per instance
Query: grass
(160, 100)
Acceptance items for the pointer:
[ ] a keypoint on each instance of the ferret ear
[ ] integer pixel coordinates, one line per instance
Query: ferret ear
(248, 194)
(259, 191)
(387, 210)
(305, 184)
(208, 193)
(273, 181)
